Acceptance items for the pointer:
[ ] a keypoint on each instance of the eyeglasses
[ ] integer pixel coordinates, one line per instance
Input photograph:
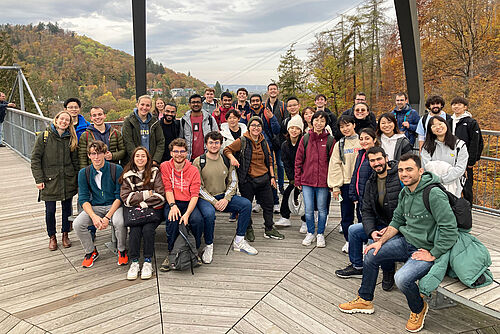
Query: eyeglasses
(179, 151)
(73, 108)
(292, 105)
(217, 142)
(95, 154)
(255, 125)
(360, 110)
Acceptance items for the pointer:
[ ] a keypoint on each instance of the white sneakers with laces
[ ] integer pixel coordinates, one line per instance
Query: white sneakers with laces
(147, 270)
(208, 254)
(244, 246)
(308, 239)
(133, 271)
(283, 222)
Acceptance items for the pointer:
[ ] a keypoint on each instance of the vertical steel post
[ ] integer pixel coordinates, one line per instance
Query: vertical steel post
(406, 13)
(21, 89)
(139, 19)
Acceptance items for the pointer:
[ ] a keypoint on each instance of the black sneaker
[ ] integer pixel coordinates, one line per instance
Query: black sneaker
(165, 266)
(349, 272)
(388, 280)
(249, 235)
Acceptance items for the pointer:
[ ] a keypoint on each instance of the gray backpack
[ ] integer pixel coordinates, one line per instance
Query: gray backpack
(184, 256)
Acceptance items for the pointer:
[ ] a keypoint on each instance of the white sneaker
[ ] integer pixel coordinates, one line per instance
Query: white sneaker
(340, 229)
(256, 208)
(147, 270)
(208, 254)
(244, 246)
(320, 241)
(283, 222)
(133, 271)
(303, 228)
(308, 239)
(276, 208)
(345, 248)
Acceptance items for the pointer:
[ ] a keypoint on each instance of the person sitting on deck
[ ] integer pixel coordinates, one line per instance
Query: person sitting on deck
(218, 192)
(99, 196)
(414, 236)
(379, 202)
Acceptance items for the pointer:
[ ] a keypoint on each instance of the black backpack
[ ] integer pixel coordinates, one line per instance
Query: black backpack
(203, 161)
(184, 256)
(424, 120)
(460, 206)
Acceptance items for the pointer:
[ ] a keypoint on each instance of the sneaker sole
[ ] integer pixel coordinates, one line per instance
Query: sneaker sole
(272, 237)
(321, 246)
(423, 321)
(283, 225)
(146, 277)
(164, 270)
(132, 278)
(350, 276)
(357, 310)
(95, 258)
(244, 251)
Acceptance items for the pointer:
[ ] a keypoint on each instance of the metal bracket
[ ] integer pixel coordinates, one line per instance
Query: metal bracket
(438, 301)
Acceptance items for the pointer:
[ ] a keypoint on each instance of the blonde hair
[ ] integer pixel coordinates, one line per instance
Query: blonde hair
(73, 143)
(145, 97)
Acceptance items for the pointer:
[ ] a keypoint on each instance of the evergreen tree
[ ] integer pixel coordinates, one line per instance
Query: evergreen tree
(291, 74)
(218, 89)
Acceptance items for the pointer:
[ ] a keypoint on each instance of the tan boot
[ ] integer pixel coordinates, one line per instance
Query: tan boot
(53, 243)
(65, 240)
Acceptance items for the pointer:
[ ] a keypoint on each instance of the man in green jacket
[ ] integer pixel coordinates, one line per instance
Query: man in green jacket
(141, 128)
(414, 236)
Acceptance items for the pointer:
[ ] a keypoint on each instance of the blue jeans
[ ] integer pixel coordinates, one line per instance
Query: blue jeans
(318, 196)
(357, 237)
(237, 204)
(172, 227)
(396, 249)
(347, 211)
(281, 169)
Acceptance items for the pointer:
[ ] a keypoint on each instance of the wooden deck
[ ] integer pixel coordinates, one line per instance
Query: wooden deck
(286, 288)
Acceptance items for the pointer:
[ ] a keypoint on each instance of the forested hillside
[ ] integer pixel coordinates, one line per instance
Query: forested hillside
(60, 64)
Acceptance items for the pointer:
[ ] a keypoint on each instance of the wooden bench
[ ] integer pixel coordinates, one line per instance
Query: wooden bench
(485, 300)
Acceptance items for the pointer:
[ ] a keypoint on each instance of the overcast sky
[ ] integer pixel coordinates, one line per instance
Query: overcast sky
(234, 42)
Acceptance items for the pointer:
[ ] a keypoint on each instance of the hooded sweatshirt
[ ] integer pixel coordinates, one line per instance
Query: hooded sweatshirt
(81, 126)
(185, 184)
(144, 126)
(221, 118)
(467, 129)
(98, 135)
(389, 144)
(340, 172)
(436, 232)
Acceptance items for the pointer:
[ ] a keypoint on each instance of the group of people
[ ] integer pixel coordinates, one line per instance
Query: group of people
(187, 169)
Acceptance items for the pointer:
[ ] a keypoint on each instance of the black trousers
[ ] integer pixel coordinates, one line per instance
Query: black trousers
(467, 191)
(50, 215)
(264, 195)
(285, 209)
(145, 232)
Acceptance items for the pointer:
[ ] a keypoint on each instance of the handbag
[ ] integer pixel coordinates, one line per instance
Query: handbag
(136, 216)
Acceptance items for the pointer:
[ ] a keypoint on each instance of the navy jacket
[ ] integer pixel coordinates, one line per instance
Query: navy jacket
(360, 175)
(407, 114)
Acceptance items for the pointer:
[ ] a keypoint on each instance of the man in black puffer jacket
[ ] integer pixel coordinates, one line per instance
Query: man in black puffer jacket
(379, 202)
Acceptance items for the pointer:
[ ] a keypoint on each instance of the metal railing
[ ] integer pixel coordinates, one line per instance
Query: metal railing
(20, 130)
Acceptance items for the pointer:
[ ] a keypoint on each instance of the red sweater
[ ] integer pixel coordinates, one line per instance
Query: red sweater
(185, 184)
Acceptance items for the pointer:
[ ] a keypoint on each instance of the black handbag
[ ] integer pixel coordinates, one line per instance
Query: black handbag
(135, 216)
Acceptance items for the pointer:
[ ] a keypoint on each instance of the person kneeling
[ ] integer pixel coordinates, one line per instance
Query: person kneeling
(380, 200)
(99, 196)
(143, 196)
(182, 187)
(218, 192)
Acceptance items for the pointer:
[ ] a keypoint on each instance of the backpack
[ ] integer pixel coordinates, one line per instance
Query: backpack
(329, 143)
(424, 120)
(45, 135)
(112, 171)
(460, 206)
(203, 161)
(183, 256)
(243, 140)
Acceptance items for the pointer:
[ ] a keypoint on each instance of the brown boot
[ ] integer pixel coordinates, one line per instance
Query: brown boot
(53, 243)
(65, 240)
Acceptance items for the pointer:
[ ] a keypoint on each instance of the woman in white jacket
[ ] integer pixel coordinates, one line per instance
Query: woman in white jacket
(442, 146)
(232, 129)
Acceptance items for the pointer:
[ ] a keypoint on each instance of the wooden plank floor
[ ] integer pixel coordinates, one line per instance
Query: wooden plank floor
(286, 288)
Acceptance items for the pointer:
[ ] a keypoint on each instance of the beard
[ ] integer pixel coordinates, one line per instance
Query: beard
(169, 118)
(381, 171)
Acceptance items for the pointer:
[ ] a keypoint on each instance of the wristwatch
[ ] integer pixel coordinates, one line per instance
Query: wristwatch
(171, 204)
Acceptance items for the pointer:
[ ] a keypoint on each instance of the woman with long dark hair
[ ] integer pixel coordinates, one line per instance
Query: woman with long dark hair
(445, 155)
(394, 143)
(142, 188)
(54, 165)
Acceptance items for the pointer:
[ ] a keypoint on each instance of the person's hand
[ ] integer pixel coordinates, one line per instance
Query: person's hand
(184, 219)
(235, 162)
(469, 167)
(11, 105)
(97, 221)
(299, 187)
(221, 204)
(423, 255)
(40, 186)
(156, 164)
(273, 183)
(105, 223)
(376, 235)
(406, 124)
(269, 114)
(376, 246)
(174, 213)
(355, 202)
(335, 195)
(108, 155)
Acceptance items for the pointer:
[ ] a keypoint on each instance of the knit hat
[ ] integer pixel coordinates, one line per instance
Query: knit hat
(255, 118)
(295, 121)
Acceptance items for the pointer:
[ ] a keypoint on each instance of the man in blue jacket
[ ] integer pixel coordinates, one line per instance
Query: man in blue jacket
(73, 106)
(99, 196)
(406, 116)
(3, 105)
